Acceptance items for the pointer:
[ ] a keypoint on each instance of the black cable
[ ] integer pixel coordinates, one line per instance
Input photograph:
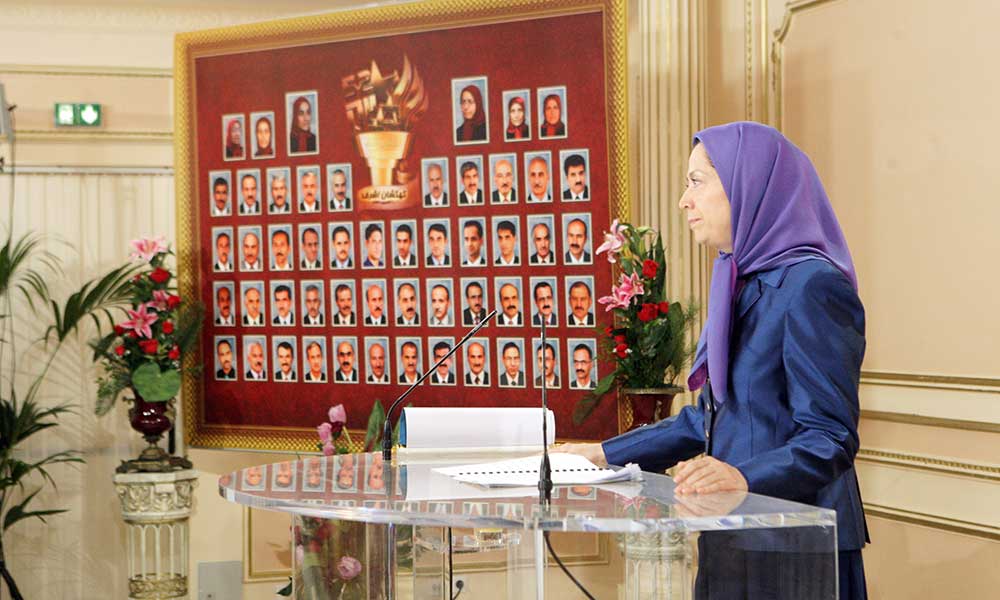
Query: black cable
(451, 572)
(548, 544)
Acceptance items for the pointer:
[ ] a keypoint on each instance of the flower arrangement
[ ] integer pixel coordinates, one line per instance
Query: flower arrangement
(143, 353)
(325, 562)
(647, 341)
(333, 435)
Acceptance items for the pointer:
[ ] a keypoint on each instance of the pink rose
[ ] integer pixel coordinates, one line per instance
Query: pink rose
(329, 449)
(325, 432)
(348, 567)
(337, 414)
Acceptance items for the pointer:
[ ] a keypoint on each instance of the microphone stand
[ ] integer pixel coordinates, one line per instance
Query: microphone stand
(545, 469)
(387, 429)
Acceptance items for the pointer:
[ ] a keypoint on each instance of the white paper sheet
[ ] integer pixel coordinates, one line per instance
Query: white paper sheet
(567, 469)
(462, 427)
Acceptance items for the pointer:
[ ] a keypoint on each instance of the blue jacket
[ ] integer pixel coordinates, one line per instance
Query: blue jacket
(791, 424)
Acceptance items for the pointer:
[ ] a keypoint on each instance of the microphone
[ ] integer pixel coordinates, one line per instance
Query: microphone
(545, 469)
(387, 429)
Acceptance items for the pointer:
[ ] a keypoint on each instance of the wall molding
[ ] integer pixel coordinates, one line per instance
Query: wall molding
(933, 464)
(911, 419)
(933, 521)
(940, 382)
(78, 135)
(85, 71)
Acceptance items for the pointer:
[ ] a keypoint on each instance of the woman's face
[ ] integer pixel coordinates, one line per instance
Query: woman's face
(706, 204)
(263, 134)
(468, 105)
(303, 117)
(235, 133)
(516, 114)
(552, 111)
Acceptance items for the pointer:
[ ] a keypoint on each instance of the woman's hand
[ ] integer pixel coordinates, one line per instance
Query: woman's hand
(706, 475)
(592, 452)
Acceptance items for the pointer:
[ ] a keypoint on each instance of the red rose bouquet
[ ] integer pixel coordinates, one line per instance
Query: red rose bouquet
(144, 351)
(648, 341)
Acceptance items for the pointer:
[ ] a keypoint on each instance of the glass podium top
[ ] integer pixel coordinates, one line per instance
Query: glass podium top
(360, 487)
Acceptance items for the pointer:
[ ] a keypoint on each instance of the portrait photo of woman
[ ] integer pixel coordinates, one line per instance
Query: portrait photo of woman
(263, 138)
(516, 120)
(232, 137)
(303, 122)
(470, 110)
(552, 106)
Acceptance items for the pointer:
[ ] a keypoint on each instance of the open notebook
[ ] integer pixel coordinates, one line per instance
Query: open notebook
(567, 469)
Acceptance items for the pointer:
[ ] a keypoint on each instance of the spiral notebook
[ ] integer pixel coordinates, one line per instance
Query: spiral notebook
(567, 469)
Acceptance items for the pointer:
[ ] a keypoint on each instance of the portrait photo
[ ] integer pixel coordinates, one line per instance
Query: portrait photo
(253, 301)
(248, 191)
(226, 366)
(544, 301)
(510, 362)
(509, 300)
(373, 244)
(579, 300)
(374, 478)
(224, 313)
(545, 362)
(302, 122)
(477, 362)
(471, 180)
(341, 236)
(410, 366)
(440, 309)
(342, 310)
(345, 359)
(345, 474)
(255, 357)
(254, 478)
(438, 348)
(311, 246)
(575, 165)
(582, 371)
(470, 110)
(283, 358)
(281, 254)
(339, 184)
(552, 112)
(542, 248)
(576, 228)
(503, 178)
(474, 247)
(279, 191)
(404, 244)
(437, 238)
(506, 241)
(309, 191)
(406, 292)
(313, 309)
(378, 365)
(375, 306)
(233, 137)
(474, 300)
(435, 181)
(222, 249)
(250, 248)
(282, 302)
(262, 140)
(221, 186)
(314, 474)
(538, 176)
(517, 115)
(314, 359)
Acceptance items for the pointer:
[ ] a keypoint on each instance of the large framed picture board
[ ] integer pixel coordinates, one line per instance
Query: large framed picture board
(356, 190)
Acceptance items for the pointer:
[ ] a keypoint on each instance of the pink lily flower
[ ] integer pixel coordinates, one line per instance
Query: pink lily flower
(614, 240)
(140, 321)
(147, 248)
(629, 287)
(613, 301)
(160, 299)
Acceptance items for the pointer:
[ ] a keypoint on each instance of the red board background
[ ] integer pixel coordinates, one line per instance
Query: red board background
(558, 51)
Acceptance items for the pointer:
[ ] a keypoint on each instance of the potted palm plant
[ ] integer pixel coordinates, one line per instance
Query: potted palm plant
(25, 269)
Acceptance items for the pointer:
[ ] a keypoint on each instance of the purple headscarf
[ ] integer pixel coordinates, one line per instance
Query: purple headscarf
(780, 216)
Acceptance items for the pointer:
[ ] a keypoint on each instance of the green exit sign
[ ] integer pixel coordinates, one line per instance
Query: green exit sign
(70, 114)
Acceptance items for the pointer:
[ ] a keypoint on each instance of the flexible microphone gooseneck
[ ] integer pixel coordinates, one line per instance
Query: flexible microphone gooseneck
(545, 469)
(387, 429)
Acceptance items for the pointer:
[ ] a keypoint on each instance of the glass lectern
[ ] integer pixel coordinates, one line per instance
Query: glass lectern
(369, 530)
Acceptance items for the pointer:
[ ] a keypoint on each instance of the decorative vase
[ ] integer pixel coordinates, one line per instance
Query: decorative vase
(649, 405)
(152, 420)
